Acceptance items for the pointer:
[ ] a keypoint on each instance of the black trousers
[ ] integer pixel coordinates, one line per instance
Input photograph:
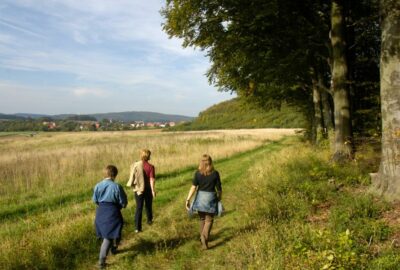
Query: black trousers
(144, 199)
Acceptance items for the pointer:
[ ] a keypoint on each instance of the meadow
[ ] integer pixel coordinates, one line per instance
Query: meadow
(46, 185)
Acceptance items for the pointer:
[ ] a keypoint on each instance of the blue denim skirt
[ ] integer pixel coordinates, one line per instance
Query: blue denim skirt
(108, 221)
(206, 202)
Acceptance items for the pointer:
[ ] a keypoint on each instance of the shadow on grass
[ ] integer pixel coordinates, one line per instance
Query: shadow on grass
(144, 246)
(43, 205)
(225, 235)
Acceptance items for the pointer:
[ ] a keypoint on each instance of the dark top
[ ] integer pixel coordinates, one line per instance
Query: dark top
(207, 182)
(149, 172)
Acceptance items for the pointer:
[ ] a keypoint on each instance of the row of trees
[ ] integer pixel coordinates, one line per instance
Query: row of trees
(328, 57)
(47, 124)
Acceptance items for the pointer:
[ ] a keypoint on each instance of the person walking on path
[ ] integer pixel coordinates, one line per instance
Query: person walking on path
(142, 181)
(110, 198)
(209, 192)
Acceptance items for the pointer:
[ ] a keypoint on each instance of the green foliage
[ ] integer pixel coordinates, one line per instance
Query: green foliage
(236, 114)
(326, 250)
(361, 215)
(386, 261)
(314, 207)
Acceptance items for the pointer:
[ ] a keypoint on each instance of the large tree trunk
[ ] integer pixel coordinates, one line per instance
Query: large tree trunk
(387, 181)
(343, 149)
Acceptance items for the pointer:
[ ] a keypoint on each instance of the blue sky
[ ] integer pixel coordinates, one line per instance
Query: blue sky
(92, 56)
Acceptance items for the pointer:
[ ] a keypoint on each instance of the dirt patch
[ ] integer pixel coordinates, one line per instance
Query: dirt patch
(321, 214)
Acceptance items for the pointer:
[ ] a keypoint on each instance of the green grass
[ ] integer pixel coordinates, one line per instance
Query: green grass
(287, 207)
(236, 114)
(282, 213)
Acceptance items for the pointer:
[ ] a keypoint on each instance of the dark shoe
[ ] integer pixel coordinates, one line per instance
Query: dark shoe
(149, 222)
(102, 265)
(114, 250)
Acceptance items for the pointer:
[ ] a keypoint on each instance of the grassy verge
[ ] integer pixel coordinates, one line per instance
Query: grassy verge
(287, 208)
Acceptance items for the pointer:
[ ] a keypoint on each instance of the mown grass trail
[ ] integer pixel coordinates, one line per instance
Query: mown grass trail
(172, 242)
(46, 213)
(282, 212)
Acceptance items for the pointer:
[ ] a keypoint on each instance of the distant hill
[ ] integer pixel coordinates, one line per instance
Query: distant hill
(10, 117)
(121, 116)
(142, 116)
(236, 114)
(31, 115)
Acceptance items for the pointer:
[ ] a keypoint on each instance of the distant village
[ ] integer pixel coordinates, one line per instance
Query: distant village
(43, 124)
(110, 124)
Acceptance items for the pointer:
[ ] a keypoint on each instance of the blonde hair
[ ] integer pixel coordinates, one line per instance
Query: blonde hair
(145, 154)
(206, 166)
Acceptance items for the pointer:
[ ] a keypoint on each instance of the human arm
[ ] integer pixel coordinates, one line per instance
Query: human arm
(218, 187)
(191, 192)
(130, 182)
(152, 177)
(152, 185)
(95, 198)
(122, 198)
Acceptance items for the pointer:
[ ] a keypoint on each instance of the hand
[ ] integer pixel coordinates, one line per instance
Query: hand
(153, 192)
(187, 205)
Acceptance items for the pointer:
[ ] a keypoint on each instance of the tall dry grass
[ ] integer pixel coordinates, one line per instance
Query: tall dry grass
(46, 183)
(75, 159)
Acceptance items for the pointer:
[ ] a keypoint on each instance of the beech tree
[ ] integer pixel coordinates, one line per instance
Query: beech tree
(274, 51)
(343, 131)
(387, 180)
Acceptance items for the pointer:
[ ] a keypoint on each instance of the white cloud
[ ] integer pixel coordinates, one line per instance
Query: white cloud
(100, 48)
(84, 91)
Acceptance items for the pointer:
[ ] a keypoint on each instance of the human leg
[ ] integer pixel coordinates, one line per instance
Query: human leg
(208, 222)
(203, 237)
(138, 212)
(202, 217)
(105, 247)
(114, 245)
(148, 197)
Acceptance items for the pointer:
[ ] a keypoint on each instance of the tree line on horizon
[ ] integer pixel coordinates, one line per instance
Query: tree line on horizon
(338, 61)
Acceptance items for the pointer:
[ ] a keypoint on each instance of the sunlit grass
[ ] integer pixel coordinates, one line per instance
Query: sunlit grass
(46, 184)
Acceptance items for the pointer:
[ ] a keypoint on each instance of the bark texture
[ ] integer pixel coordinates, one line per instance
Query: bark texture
(343, 149)
(387, 180)
(318, 129)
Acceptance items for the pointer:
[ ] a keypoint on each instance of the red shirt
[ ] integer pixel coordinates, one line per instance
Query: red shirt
(149, 171)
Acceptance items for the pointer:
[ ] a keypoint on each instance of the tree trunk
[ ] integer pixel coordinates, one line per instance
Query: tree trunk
(327, 111)
(387, 180)
(343, 149)
(317, 121)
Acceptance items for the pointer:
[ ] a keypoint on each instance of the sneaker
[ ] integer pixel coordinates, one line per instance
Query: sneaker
(137, 231)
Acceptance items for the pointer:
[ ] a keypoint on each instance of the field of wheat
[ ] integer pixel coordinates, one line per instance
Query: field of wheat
(46, 184)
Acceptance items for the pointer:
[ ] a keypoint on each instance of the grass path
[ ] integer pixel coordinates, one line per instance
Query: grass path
(172, 242)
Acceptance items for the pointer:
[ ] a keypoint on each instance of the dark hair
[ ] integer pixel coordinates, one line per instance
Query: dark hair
(111, 171)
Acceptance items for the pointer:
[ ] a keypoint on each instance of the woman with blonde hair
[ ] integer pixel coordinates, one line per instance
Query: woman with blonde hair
(209, 192)
(142, 181)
